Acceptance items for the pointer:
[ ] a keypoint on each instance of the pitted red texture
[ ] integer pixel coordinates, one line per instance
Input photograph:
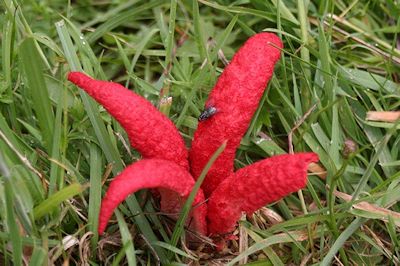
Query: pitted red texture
(236, 97)
(149, 131)
(152, 173)
(254, 186)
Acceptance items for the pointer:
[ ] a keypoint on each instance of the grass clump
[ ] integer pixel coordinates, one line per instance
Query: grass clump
(58, 147)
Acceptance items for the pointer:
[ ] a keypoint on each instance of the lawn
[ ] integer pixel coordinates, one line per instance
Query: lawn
(59, 149)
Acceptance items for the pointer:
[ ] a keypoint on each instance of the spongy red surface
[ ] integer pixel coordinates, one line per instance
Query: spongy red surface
(152, 173)
(236, 97)
(254, 186)
(149, 131)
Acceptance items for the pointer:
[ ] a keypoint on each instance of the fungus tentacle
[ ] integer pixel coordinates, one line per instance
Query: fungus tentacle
(236, 97)
(254, 186)
(153, 173)
(149, 131)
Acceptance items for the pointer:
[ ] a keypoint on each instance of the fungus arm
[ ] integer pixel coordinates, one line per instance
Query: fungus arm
(152, 173)
(254, 186)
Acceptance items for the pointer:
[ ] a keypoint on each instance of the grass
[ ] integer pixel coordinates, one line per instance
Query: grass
(57, 146)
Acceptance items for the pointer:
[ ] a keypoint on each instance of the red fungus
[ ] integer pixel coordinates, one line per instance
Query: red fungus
(149, 131)
(254, 186)
(152, 173)
(229, 110)
(235, 97)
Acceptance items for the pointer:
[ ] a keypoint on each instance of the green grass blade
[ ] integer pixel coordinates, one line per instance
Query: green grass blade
(173, 249)
(11, 222)
(52, 202)
(39, 257)
(340, 241)
(267, 242)
(369, 80)
(33, 70)
(180, 224)
(94, 192)
(56, 173)
(304, 52)
(239, 10)
(7, 50)
(68, 47)
(220, 41)
(374, 160)
(145, 227)
(126, 239)
(111, 13)
(139, 52)
(114, 22)
(285, 11)
(170, 37)
(199, 35)
(276, 261)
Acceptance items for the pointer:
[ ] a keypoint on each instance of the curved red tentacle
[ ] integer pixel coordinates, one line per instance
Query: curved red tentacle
(149, 130)
(235, 97)
(254, 186)
(152, 173)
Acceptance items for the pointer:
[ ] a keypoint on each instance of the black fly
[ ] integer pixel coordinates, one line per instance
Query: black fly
(207, 113)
